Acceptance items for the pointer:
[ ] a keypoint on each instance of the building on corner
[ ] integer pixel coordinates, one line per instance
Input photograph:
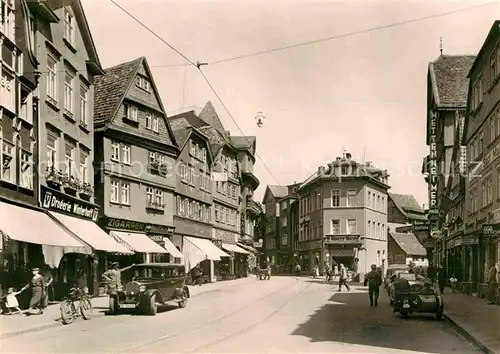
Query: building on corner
(136, 152)
(343, 216)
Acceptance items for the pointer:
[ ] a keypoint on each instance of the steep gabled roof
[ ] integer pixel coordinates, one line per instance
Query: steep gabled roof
(111, 88)
(209, 115)
(408, 242)
(448, 75)
(183, 130)
(408, 206)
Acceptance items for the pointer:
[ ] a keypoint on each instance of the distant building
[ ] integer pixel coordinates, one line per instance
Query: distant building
(403, 248)
(343, 216)
(271, 201)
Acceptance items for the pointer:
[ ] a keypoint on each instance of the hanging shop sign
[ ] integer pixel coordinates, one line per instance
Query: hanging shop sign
(225, 236)
(59, 202)
(218, 243)
(433, 177)
(491, 230)
(421, 227)
(342, 239)
(137, 226)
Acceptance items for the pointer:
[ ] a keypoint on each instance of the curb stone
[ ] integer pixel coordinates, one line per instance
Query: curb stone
(58, 319)
(467, 335)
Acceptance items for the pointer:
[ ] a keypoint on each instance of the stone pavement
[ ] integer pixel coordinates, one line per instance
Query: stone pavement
(475, 319)
(13, 325)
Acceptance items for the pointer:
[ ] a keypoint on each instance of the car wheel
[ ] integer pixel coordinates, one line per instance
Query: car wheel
(152, 308)
(114, 307)
(183, 301)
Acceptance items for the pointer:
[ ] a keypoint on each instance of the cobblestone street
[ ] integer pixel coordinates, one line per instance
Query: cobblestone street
(285, 314)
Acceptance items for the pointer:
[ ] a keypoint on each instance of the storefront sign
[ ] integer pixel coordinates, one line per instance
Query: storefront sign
(225, 236)
(463, 160)
(433, 177)
(342, 252)
(342, 239)
(304, 246)
(470, 241)
(192, 228)
(137, 226)
(56, 201)
(421, 227)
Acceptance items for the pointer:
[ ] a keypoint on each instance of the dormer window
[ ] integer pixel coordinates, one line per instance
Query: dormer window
(69, 27)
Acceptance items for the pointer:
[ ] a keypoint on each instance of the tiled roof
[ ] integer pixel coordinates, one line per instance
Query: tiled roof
(181, 129)
(406, 202)
(191, 118)
(449, 79)
(278, 191)
(209, 115)
(110, 89)
(244, 142)
(408, 243)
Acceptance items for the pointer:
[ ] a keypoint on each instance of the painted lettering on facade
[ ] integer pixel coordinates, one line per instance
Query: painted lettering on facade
(433, 172)
(129, 225)
(342, 239)
(304, 246)
(58, 202)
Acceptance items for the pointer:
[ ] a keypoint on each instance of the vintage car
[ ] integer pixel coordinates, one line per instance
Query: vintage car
(417, 296)
(151, 285)
(392, 269)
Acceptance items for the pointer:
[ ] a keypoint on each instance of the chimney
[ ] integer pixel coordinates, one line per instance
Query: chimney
(228, 133)
(348, 155)
(368, 164)
(338, 158)
(321, 170)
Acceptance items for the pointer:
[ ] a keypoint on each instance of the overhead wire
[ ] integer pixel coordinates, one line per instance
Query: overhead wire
(339, 36)
(311, 42)
(198, 66)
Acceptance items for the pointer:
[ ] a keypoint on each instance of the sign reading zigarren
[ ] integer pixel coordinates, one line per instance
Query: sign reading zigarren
(433, 178)
(53, 200)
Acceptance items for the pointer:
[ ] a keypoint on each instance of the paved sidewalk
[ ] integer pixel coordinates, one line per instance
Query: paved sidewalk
(13, 325)
(475, 319)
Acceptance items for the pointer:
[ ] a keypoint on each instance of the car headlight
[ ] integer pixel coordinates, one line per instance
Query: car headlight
(142, 288)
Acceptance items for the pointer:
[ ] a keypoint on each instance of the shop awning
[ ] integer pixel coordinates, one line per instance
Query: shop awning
(174, 252)
(209, 250)
(139, 242)
(32, 226)
(248, 248)
(90, 233)
(233, 248)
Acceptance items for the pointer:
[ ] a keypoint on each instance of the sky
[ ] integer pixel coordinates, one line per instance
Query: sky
(364, 93)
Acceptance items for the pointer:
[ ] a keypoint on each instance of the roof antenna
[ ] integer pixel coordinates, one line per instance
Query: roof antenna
(441, 45)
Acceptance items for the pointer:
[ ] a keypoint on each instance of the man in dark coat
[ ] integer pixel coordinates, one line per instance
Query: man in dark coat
(196, 275)
(441, 279)
(374, 280)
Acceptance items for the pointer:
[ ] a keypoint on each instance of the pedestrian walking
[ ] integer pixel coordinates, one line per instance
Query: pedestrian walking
(37, 285)
(373, 279)
(298, 270)
(492, 285)
(441, 279)
(343, 278)
(431, 271)
(112, 278)
(48, 280)
(196, 275)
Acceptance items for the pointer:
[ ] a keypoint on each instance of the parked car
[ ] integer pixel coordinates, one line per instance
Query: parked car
(152, 285)
(393, 268)
(417, 296)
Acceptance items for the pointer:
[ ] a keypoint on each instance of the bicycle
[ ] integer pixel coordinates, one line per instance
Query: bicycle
(76, 304)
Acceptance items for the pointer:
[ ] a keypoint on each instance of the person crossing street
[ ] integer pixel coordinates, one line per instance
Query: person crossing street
(343, 278)
(373, 279)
